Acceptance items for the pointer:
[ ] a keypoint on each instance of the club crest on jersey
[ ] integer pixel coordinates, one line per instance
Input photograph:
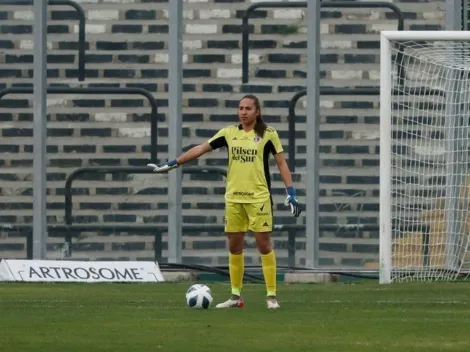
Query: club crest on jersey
(256, 139)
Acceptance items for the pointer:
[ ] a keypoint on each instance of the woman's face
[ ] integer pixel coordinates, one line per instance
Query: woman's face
(247, 111)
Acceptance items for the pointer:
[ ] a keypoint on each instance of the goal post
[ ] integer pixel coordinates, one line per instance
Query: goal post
(424, 154)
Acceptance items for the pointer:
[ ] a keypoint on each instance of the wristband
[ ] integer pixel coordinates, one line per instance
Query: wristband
(291, 191)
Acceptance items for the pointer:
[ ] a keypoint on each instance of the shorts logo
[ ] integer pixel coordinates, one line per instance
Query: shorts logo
(260, 212)
(265, 224)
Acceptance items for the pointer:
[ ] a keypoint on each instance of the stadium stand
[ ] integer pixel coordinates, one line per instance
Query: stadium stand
(126, 46)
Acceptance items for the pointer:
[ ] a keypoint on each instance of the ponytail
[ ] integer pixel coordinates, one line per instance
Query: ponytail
(260, 126)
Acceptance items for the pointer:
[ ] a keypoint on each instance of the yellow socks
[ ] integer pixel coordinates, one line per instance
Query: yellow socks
(268, 262)
(236, 268)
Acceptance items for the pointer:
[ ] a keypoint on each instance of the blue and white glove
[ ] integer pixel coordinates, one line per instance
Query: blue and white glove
(164, 167)
(292, 201)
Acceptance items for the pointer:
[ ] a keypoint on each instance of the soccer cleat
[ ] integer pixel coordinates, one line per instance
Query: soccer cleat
(273, 303)
(231, 303)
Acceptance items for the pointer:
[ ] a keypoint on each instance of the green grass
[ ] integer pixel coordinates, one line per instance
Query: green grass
(334, 317)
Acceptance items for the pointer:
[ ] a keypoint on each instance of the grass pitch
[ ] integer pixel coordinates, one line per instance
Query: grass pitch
(153, 317)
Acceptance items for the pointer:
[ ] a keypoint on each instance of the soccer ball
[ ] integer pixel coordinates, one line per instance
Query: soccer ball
(199, 296)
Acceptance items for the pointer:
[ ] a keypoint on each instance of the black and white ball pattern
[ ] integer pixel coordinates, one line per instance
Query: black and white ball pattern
(199, 296)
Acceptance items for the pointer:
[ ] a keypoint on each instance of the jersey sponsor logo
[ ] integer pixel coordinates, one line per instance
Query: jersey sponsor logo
(244, 155)
(247, 194)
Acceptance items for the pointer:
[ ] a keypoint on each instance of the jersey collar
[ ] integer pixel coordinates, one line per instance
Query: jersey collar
(240, 128)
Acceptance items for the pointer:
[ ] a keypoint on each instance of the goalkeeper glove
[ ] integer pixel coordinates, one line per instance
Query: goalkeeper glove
(164, 167)
(292, 201)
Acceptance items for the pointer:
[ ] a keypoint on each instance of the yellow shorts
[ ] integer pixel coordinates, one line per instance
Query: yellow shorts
(256, 217)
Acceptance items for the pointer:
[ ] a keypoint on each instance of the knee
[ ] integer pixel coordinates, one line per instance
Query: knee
(264, 247)
(235, 249)
(235, 244)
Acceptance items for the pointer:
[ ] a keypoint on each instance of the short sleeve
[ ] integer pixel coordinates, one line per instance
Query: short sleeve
(276, 142)
(218, 140)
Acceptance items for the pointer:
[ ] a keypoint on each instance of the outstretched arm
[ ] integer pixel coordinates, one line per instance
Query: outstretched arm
(194, 153)
(191, 154)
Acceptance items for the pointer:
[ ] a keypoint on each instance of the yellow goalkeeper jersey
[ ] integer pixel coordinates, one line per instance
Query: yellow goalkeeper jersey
(248, 178)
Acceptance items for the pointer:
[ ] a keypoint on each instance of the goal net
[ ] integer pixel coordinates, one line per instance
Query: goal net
(425, 125)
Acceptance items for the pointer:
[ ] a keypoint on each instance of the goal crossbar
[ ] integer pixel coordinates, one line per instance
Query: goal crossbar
(425, 35)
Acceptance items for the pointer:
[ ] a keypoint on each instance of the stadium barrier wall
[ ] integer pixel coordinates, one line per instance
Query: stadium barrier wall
(80, 271)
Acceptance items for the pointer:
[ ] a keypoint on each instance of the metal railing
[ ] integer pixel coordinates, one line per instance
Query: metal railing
(128, 170)
(103, 91)
(81, 27)
(70, 230)
(74, 231)
(157, 230)
(324, 4)
(368, 91)
(292, 117)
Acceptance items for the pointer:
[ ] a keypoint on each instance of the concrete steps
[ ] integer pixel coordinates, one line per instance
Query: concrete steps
(127, 46)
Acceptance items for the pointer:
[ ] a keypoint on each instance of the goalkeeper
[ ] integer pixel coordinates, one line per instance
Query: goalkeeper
(248, 202)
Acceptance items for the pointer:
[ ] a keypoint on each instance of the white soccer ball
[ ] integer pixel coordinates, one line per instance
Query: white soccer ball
(199, 296)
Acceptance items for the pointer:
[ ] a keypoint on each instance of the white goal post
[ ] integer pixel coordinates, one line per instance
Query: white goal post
(424, 154)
